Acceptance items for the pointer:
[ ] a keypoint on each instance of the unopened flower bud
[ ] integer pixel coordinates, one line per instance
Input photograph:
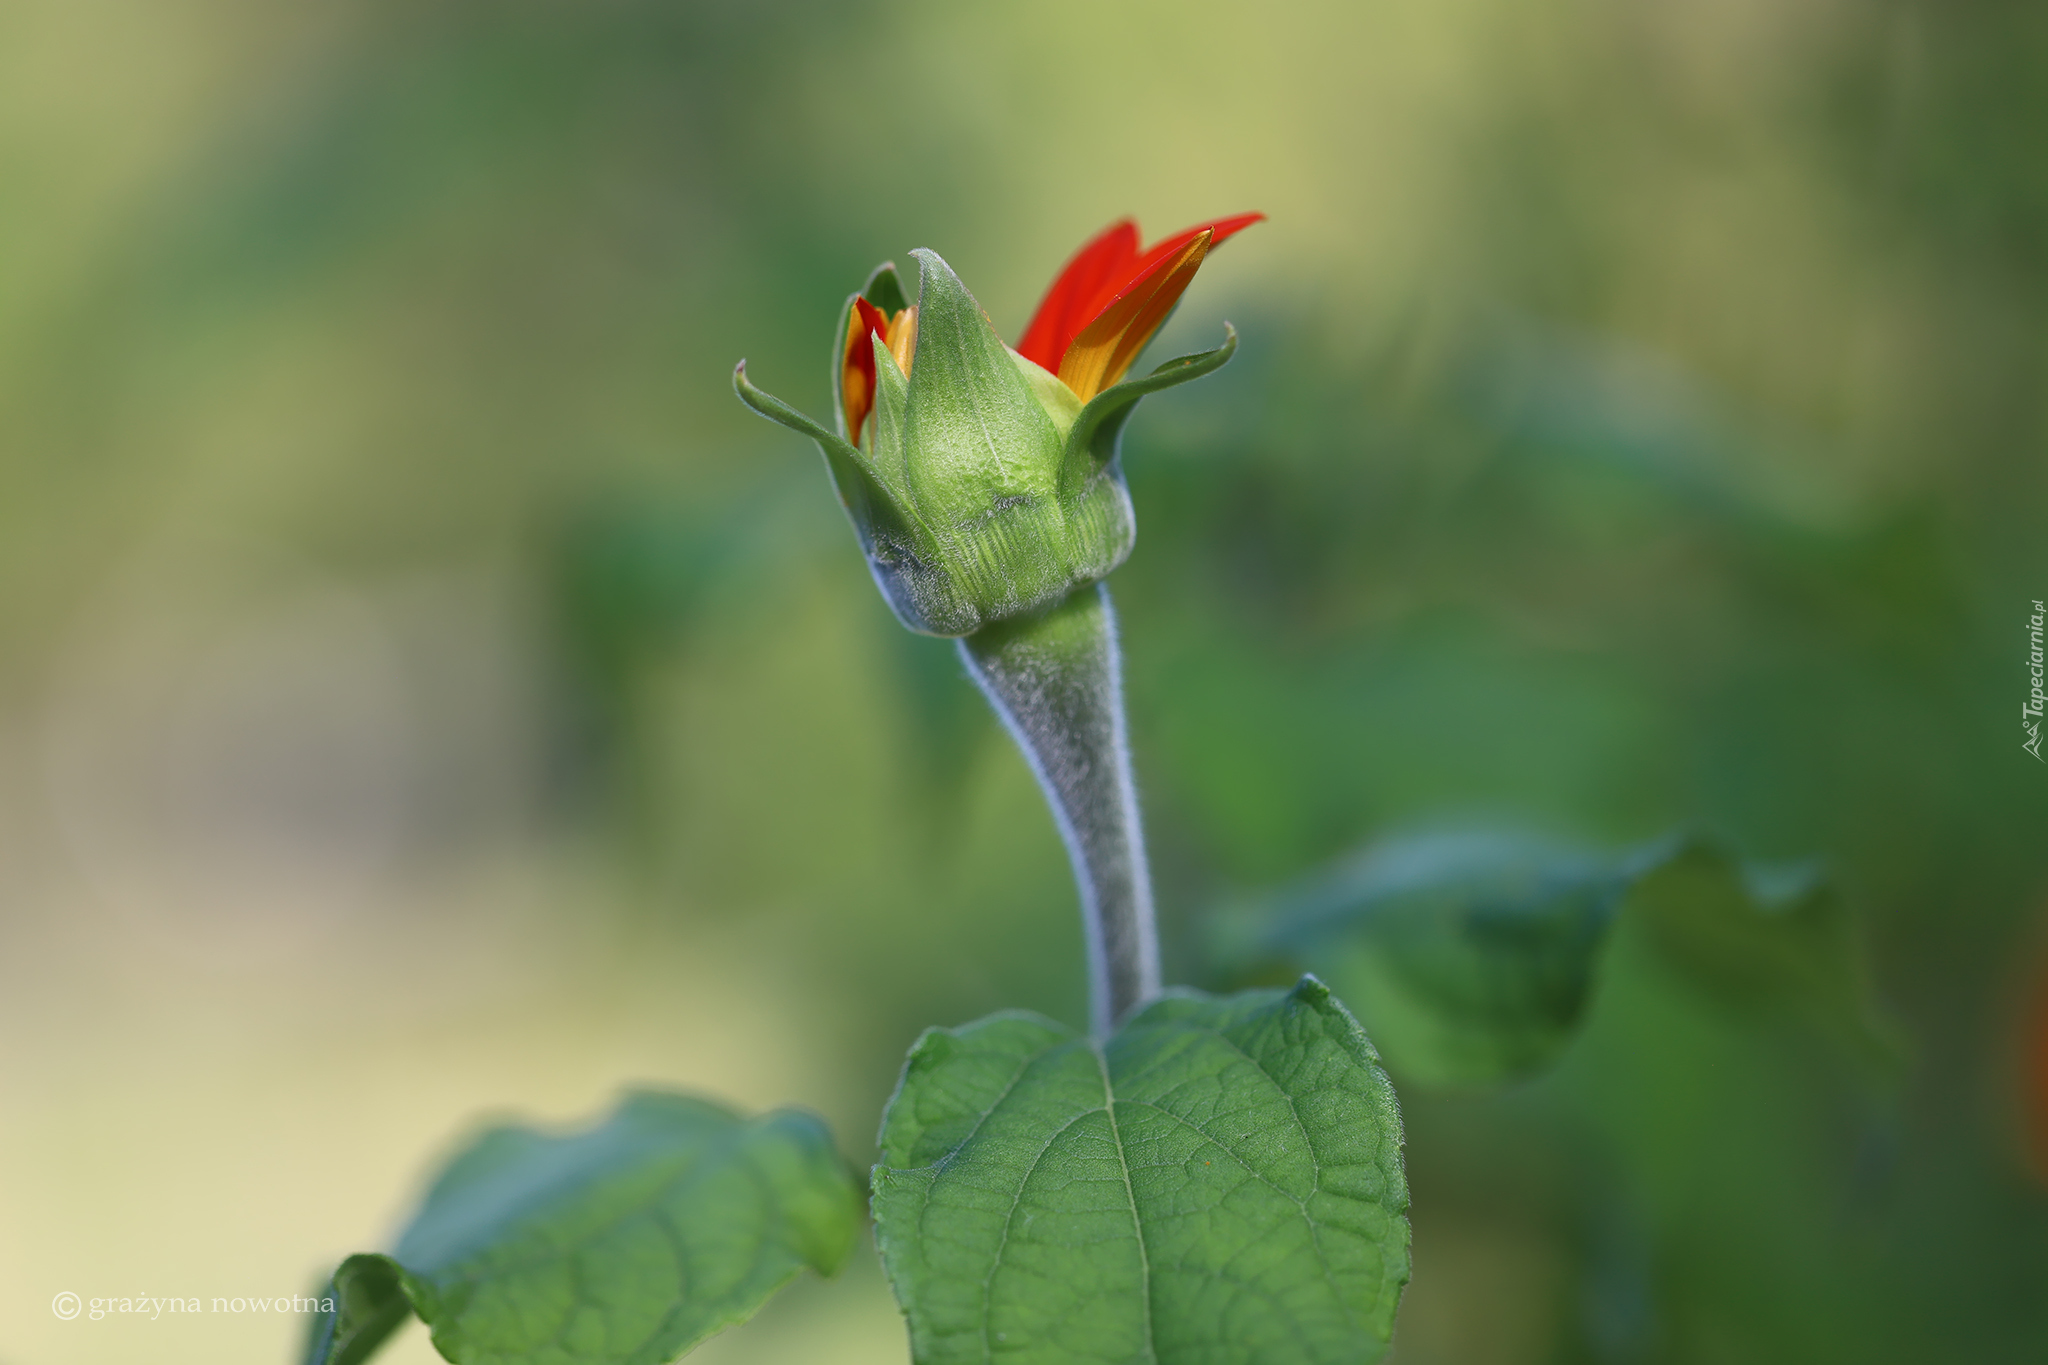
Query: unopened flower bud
(983, 481)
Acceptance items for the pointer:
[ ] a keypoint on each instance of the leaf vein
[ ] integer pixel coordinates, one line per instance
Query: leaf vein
(1315, 1158)
(1137, 1221)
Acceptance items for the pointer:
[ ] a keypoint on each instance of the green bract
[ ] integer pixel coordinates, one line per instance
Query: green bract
(981, 488)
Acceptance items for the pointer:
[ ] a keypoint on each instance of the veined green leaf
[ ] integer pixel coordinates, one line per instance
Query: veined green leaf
(624, 1245)
(1219, 1182)
(1471, 955)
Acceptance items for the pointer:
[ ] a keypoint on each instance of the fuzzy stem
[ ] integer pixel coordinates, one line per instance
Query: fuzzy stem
(1056, 679)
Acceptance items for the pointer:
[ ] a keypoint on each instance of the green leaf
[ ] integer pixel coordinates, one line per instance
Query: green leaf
(369, 1305)
(1776, 940)
(1471, 955)
(1220, 1182)
(627, 1244)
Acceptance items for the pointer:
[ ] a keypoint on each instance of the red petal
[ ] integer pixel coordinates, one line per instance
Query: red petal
(1103, 271)
(1070, 303)
(1224, 228)
(857, 367)
(1106, 347)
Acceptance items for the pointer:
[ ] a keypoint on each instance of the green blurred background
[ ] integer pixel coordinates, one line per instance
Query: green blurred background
(425, 693)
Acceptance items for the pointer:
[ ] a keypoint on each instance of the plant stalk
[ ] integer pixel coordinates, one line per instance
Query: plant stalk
(1056, 679)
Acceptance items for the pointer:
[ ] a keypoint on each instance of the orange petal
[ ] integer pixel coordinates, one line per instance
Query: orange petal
(1106, 347)
(902, 337)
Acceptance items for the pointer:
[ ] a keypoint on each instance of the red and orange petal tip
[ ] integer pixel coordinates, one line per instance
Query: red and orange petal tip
(857, 361)
(857, 365)
(1110, 274)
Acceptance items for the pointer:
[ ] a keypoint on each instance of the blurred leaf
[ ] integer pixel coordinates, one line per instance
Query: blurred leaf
(1476, 949)
(1762, 938)
(629, 1243)
(1221, 1181)
(369, 1304)
(1472, 954)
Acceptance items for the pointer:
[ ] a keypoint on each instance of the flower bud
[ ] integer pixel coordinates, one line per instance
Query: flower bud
(983, 485)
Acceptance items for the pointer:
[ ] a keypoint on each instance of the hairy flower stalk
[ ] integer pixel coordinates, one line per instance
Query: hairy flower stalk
(985, 486)
(1056, 679)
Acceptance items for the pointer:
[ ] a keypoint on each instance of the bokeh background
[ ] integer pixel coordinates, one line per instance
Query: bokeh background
(426, 694)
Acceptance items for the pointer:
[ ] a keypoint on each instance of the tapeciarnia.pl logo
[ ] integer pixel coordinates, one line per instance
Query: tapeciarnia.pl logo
(2030, 714)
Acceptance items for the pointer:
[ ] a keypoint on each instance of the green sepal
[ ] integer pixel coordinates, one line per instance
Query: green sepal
(900, 552)
(888, 457)
(1061, 403)
(982, 439)
(1093, 441)
(775, 410)
(884, 289)
(878, 517)
(838, 370)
